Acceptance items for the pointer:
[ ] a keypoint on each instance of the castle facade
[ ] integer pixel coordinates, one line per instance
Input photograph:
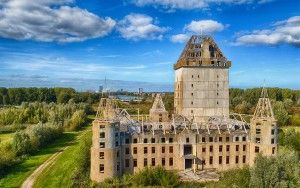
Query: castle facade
(201, 134)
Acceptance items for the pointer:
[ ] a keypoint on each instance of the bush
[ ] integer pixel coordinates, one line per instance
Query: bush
(155, 177)
(7, 158)
(21, 144)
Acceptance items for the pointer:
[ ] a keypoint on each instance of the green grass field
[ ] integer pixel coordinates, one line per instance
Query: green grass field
(22, 170)
(60, 173)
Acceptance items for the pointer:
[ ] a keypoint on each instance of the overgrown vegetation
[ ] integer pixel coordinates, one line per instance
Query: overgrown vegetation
(148, 177)
(37, 125)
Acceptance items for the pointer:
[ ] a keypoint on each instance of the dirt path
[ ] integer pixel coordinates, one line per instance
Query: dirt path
(28, 183)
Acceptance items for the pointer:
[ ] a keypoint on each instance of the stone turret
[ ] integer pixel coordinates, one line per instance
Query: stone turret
(158, 112)
(263, 129)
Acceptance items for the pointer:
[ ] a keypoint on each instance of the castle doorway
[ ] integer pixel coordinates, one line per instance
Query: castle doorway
(188, 163)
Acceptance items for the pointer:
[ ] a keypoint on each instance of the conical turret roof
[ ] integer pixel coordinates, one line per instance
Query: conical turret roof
(202, 50)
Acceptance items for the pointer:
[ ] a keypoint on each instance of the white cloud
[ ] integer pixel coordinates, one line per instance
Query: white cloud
(198, 27)
(193, 4)
(287, 31)
(139, 26)
(50, 20)
(204, 26)
(180, 38)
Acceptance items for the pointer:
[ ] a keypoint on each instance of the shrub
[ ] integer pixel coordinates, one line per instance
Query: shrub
(21, 143)
(7, 158)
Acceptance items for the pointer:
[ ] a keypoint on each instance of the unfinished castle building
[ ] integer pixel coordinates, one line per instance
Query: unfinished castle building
(201, 134)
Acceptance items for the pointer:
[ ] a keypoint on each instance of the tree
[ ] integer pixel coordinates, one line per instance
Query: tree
(280, 171)
(281, 113)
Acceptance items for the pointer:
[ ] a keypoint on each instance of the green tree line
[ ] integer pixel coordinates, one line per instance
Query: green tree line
(16, 96)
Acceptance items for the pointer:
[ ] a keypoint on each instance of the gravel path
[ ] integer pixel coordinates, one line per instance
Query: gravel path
(28, 183)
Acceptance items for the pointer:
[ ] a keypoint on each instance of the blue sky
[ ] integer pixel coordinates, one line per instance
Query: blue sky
(78, 43)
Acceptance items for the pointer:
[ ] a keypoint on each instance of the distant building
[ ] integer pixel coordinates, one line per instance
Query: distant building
(141, 91)
(201, 134)
(100, 89)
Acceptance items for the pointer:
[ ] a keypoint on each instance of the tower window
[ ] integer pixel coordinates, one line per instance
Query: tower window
(192, 85)
(192, 111)
(145, 150)
(192, 94)
(211, 148)
(163, 162)
(203, 150)
(217, 102)
(101, 168)
(145, 162)
(237, 148)
(102, 144)
(101, 155)
(220, 159)
(227, 147)
(153, 149)
(145, 140)
(211, 160)
(258, 131)
(171, 149)
(102, 134)
(152, 140)
(227, 159)
(134, 162)
(256, 149)
(192, 103)
(171, 161)
(192, 76)
(272, 141)
(236, 159)
(220, 148)
(187, 140)
(244, 159)
(257, 140)
(135, 150)
(163, 149)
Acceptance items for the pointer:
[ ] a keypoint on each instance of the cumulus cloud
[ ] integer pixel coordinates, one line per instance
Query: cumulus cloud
(204, 26)
(198, 27)
(50, 20)
(193, 4)
(287, 31)
(140, 26)
(180, 38)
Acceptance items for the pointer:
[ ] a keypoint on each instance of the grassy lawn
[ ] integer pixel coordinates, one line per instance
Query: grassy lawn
(22, 170)
(60, 173)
